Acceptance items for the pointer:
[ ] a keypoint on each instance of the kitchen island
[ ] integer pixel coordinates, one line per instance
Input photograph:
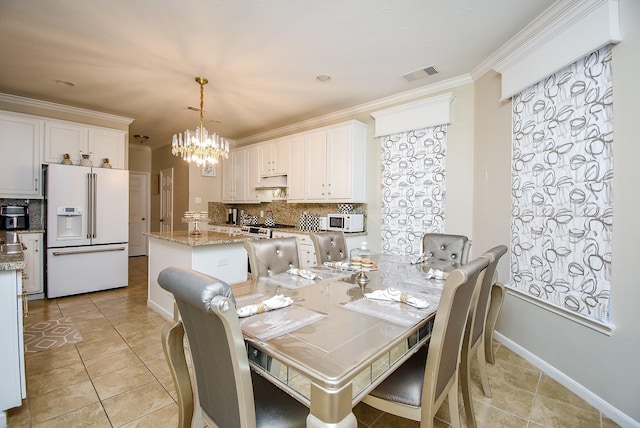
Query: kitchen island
(220, 255)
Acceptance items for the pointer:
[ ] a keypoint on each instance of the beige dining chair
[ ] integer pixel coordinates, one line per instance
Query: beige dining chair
(228, 393)
(271, 256)
(330, 246)
(495, 305)
(447, 248)
(417, 389)
(474, 337)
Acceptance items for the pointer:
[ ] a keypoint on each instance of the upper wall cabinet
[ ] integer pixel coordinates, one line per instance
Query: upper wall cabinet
(274, 157)
(334, 164)
(76, 139)
(21, 142)
(240, 176)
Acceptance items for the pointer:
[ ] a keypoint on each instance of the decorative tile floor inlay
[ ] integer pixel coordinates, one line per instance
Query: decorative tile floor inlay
(45, 335)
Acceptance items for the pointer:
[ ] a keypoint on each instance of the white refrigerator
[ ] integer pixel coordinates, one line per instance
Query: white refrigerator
(87, 229)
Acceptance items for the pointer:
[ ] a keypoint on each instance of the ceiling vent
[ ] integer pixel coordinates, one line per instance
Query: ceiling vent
(420, 74)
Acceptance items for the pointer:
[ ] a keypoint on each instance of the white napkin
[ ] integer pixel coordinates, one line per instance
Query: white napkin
(306, 274)
(276, 302)
(338, 265)
(437, 274)
(391, 294)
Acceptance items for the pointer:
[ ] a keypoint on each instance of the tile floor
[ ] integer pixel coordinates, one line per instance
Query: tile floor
(117, 376)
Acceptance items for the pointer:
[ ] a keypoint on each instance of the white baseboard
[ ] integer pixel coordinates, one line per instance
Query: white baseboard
(159, 310)
(603, 406)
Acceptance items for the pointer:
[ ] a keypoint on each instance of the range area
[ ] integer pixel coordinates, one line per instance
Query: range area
(263, 230)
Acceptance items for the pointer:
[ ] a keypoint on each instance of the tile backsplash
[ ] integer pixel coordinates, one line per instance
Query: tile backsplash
(36, 210)
(283, 212)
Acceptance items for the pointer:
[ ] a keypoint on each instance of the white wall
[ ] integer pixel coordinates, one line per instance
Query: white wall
(605, 365)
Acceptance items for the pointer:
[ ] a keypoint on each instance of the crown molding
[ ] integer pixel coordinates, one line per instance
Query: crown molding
(349, 113)
(30, 102)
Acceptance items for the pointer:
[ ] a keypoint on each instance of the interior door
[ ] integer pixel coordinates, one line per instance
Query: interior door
(166, 200)
(138, 213)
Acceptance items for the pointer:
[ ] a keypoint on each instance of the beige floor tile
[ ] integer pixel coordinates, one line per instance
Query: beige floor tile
(19, 417)
(159, 367)
(43, 382)
(552, 413)
(552, 389)
(139, 337)
(51, 359)
(87, 327)
(122, 380)
(506, 355)
(80, 299)
(507, 398)
(366, 414)
(608, 423)
(167, 416)
(111, 362)
(136, 403)
(391, 421)
(64, 400)
(92, 416)
(97, 348)
(169, 386)
(505, 374)
(149, 351)
(491, 417)
(142, 324)
(78, 310)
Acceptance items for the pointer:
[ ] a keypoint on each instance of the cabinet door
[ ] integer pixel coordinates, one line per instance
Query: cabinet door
(107, 144)
(20, 136)
(316, 165)
(253, 174)
(280, 152)
(296, 175)
(240, 175)
(228, 189)
(32, 274)
(266, 158)
(339, 168)
(64, 137)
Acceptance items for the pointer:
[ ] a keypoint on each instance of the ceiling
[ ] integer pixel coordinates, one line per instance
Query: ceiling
(139, 58)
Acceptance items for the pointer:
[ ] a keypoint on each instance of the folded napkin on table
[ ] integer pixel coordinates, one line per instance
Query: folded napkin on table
(306, 274)
(437, 274)
(276, 302)
(338, 265)
(391, 294)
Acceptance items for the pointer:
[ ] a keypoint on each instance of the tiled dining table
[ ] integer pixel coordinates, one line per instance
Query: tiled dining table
(332, 346)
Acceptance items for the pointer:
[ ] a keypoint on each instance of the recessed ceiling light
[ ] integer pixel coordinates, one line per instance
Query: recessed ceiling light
(65, 83)
(323, 78)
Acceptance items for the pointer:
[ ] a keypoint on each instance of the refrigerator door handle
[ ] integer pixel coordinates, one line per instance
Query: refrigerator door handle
(94, 222)
(97, 250)
(89, 199)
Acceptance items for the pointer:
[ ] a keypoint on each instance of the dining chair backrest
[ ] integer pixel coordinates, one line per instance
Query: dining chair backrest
(220, 364)
(271, 256)
(330, 246)
(229, 394)
(417, 388)
(449, 325)
(453, 249)
(474, 339)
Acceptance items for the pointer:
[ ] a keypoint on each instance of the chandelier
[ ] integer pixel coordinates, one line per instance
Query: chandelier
(200, 146)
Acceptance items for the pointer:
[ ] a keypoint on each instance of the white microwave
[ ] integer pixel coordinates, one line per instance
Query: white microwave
(345, 222)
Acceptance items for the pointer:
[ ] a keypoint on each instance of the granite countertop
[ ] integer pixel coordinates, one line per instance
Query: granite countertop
(10, 261)
(207, 238)
(289, 229)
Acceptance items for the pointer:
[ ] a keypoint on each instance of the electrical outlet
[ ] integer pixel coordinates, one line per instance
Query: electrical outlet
(223, 261)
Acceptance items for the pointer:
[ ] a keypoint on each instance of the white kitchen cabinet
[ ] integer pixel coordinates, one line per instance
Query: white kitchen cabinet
(253, 174)
(20, 136)
(235, 177)
(32, 276)
(333, 165)
(77, 139)
(274, 157)
(12, 371)
(306, 250)
(295, 177)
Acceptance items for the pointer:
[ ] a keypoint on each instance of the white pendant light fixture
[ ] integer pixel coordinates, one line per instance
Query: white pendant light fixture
(200, 146)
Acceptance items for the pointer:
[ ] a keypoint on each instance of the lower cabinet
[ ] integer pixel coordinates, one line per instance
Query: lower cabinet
(306, 250)
(32, 276)
(13, 386)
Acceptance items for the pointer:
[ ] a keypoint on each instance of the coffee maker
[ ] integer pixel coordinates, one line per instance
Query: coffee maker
(14, 217)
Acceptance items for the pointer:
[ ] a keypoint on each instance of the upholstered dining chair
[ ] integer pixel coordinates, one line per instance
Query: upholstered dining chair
(271, 256)
(330, 246)
(228, 393)
(417, 389)
(474, 337)
(445, 248)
